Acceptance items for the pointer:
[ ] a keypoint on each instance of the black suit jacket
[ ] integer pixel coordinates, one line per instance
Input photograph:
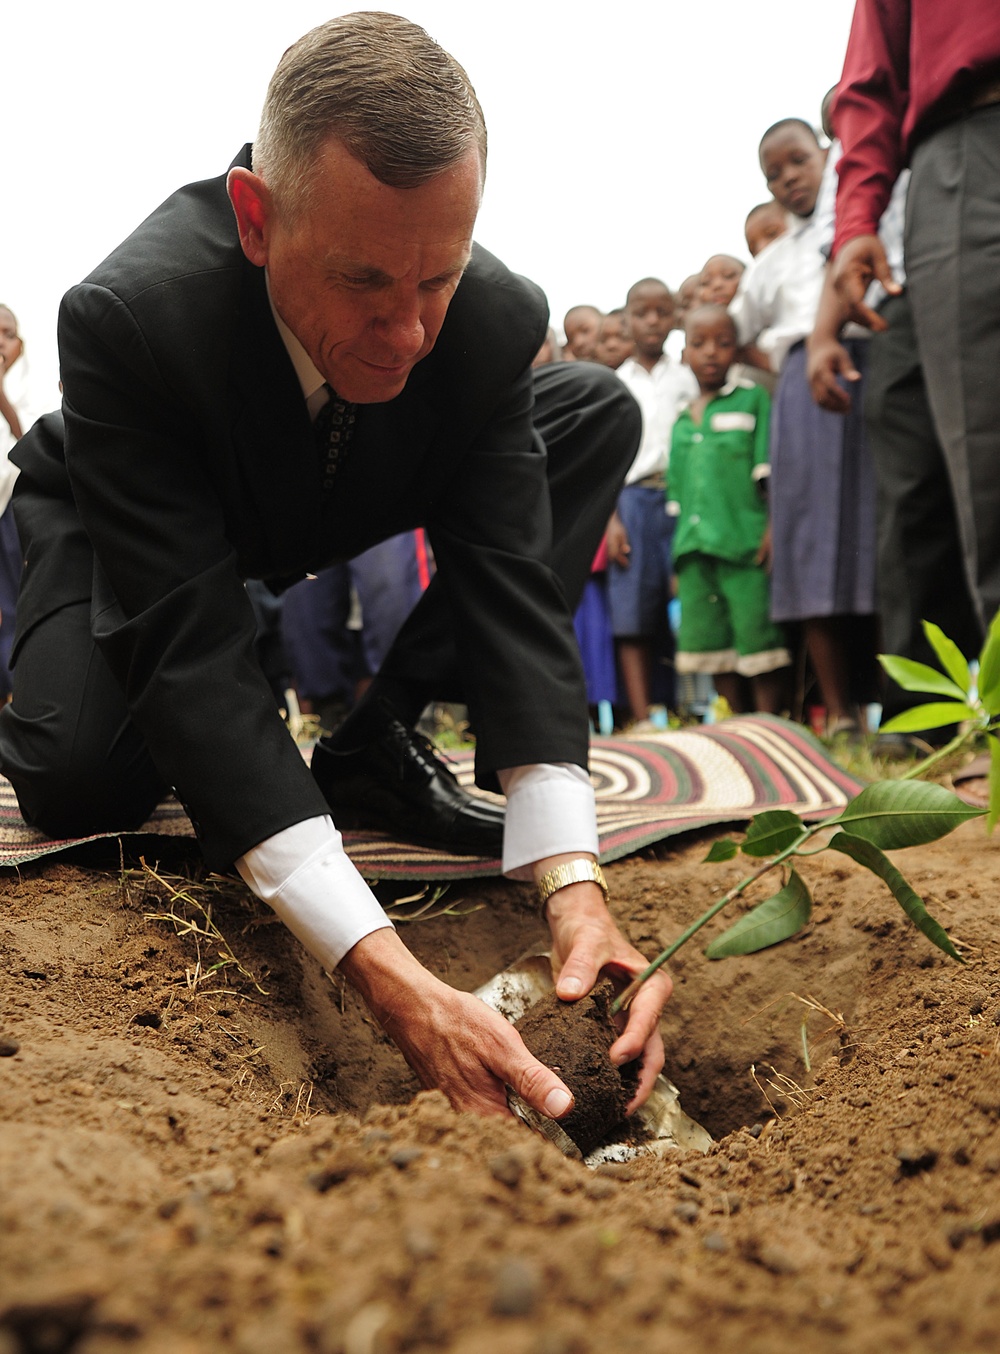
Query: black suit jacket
(188, 465)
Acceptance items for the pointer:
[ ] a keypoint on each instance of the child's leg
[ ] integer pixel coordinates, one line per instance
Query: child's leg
(828, 653)
(704, 640)
(637, 593)
(772, 691)
(729, 685)
(636, 663)
(760, 643)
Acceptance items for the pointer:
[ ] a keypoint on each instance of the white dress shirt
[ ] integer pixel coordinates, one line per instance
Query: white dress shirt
(303, 872)
(779, 291)
(661, 395)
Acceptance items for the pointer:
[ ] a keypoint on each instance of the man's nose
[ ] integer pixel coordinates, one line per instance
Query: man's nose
(401, 326)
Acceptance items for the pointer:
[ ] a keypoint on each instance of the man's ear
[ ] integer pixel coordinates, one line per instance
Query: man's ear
(251, 201)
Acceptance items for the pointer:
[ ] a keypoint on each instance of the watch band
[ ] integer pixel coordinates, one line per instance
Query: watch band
(570, 872)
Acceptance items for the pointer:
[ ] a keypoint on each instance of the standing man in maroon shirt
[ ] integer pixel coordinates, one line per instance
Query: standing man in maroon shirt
(921, 86)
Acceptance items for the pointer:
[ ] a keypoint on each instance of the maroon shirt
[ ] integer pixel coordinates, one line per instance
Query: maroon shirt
(909, 65)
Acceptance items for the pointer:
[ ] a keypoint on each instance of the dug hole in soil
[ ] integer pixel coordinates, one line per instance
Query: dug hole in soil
(190, 1164)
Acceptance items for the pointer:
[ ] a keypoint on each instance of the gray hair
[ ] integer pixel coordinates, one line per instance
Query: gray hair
(380, 85)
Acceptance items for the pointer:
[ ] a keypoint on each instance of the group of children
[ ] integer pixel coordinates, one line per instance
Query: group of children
(758, 518)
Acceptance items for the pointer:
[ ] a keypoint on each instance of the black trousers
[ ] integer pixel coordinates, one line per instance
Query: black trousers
(952, 252)
(921, 570)
(67, 742)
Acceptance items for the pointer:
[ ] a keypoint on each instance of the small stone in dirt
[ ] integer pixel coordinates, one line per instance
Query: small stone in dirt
(686, 1211)
(757, 1130)
(508, 1168)
(715, 1242)
(338, 1169)
(598, 1189)
(516, 1288)
(420, 1244)
(913, 1159)
(405, 1156)
(617, 1170)
(218, 1180)
(777, 1260)
(8, 1046)
(375, 1136)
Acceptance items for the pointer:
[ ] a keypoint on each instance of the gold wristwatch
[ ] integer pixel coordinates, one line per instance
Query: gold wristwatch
(570, 872)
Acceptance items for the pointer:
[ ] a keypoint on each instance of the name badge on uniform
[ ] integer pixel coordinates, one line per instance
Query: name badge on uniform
(733, 422)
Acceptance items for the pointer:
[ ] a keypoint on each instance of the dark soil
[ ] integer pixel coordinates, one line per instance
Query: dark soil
(573, 1038)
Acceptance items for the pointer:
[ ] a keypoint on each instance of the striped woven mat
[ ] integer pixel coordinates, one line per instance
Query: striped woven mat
(647, 789)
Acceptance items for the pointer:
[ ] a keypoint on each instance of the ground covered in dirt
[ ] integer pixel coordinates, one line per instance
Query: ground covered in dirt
(190, 1163)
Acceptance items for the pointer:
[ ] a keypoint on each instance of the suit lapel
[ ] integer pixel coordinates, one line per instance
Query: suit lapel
(271, 433)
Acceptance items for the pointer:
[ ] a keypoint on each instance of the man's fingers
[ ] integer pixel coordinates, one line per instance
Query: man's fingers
(649, 1070)
(643, 1018)
(577, 976)
(539, 1087)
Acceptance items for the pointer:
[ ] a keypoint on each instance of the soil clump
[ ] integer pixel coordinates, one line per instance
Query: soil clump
(573, 1038)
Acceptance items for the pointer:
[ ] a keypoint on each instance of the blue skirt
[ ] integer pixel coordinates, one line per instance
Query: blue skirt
(822, 493)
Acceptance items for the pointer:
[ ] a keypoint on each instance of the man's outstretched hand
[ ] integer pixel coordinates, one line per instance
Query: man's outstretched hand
(453, 1041)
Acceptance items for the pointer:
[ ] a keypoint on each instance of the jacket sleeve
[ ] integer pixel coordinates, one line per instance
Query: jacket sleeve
(169, 610)
(492, 538)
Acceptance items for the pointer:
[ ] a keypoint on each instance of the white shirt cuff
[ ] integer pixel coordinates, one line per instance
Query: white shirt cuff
(550, 810)
(304, 874)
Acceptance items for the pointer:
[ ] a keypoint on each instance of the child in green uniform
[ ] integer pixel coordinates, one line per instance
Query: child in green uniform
(718, 475)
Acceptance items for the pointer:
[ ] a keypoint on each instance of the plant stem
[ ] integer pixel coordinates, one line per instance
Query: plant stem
(928, 763)
(622, 1001)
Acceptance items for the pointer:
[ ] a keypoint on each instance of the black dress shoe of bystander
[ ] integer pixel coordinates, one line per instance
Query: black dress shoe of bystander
(396, 782)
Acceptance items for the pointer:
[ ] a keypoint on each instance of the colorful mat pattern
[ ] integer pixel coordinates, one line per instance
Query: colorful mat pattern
(647, 789)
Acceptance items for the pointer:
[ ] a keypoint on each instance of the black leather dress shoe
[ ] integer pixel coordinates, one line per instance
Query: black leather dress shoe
(397, 783)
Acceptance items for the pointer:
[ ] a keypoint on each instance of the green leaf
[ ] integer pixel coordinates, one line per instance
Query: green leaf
(993, 812)
(932, 716)
(895, 813)
(774, 920)
(865, 853)
(913, 676)
(772, 831)
(989, 669)
(950, 656)
(724, 849)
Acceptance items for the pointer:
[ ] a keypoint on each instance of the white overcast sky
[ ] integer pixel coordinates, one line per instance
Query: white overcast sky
(623, 135)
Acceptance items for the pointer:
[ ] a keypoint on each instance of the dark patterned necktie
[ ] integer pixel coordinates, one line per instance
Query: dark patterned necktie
(332, 429)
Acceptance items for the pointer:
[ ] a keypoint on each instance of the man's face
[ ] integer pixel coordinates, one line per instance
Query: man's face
(650, 318)
(793, 167)
(364, 274)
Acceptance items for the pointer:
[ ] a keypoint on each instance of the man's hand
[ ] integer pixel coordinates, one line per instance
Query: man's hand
(829, 359)
(617, 541)
(858, 263)
(586, 943)
(452, 1040)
